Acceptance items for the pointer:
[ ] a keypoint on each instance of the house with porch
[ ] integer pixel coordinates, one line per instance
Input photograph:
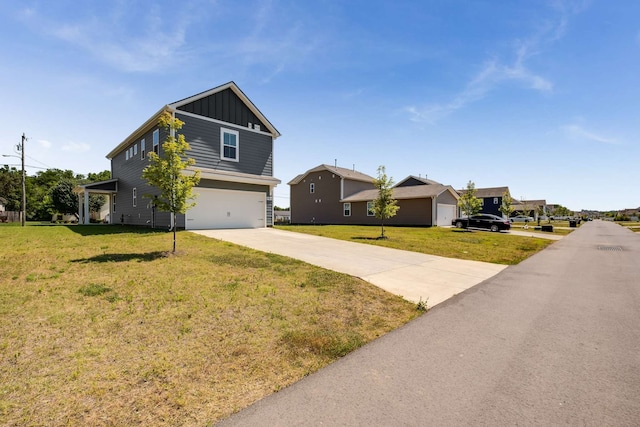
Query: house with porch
(232, 144)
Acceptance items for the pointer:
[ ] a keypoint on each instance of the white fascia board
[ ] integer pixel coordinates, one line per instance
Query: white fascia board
(151, 122)
(223, 123)
(231, 85)
(244, 178)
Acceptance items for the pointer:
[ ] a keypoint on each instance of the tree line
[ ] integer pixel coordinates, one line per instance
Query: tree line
(48, 192)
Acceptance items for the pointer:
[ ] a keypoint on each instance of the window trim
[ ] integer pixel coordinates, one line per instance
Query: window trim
(312, 187)
(496, 201)
(370, 206)
(135, 149)
(135, 197)
(143, 148)
(224, 131)
(156, 141)
(346, 209)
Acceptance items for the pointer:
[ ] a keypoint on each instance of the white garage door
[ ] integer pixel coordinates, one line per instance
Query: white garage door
(446, 214)
(227, 209)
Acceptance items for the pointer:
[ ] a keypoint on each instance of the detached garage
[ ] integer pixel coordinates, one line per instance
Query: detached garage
(217, 208)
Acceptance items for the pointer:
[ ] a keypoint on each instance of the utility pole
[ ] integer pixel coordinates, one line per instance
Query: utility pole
(24, 187)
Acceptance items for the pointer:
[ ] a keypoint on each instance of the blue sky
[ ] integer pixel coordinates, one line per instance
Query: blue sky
(539, 96)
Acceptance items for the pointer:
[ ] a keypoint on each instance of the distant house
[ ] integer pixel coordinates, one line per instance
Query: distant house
(333, 195)
(3, 203)
(282, 217)
(491, 199)
(530, 208)
(232, 144)
(316, 194)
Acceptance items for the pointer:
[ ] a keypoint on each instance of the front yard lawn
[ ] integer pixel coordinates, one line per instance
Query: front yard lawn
(100, 326)
(499, 248)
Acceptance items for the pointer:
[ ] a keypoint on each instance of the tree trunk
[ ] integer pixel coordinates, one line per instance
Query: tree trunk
(174, 231)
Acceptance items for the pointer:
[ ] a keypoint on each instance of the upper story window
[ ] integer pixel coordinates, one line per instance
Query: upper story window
(126, 154)
(156, 141)
(312, 188)
(143, 150)
(229, 145)
(495, 200)
(135, 149)
(346, 208)
(370, 206)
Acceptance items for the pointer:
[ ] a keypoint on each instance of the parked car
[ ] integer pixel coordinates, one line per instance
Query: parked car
(521, 218)
(488, 221)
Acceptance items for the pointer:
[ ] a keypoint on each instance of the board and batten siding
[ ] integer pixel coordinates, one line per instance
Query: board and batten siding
(225, 106)
(255, 149)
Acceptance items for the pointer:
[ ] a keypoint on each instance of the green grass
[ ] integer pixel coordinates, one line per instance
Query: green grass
(100, 326)
(499, 248)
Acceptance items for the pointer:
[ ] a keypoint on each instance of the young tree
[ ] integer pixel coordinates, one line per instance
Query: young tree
(469, 204)
(385, 206)
(166, 173)
(506, 208)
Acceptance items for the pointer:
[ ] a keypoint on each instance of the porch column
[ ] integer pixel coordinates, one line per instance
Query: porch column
(79, 208)
(86, 207)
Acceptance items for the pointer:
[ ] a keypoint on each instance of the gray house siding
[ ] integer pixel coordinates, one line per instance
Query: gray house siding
(353, 187)
(255, 150)
(447, 198)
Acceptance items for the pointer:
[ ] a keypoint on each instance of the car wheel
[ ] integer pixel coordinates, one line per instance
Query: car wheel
(494, 228)
(459, 224)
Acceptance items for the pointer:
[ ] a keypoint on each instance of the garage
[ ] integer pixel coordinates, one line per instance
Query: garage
(227, 209)
(446, 214)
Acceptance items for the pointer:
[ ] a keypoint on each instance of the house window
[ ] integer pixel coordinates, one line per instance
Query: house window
(229, 144)
(135, 197)
(312, 188)
(370, 206)
(495, 200)
(113, 203)
(126, 154)
(347, 209)
(135, 149)
(156, 141)
(142, 149)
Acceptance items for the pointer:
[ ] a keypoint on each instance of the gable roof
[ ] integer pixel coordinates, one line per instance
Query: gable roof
(421, 181)
(403, 193)
(341, 172)
(488, 192)
(152, 122)
(239, 93)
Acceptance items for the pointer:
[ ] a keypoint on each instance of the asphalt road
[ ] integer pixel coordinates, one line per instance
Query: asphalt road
(554, 340)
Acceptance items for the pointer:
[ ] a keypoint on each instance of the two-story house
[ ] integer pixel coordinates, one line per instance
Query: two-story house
(232, 144)
(333, 195)
(491, 199)
(316, 194)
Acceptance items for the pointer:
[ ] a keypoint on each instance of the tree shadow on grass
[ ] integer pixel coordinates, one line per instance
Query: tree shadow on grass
(103, 229)
(146, 257)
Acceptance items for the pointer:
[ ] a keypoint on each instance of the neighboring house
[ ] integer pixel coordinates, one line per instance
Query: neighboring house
(316, 194)
(3, 203)
(333, 195)
(491, 199)
(530, 208)
(422, 202)
(232, 144)
(282, 217)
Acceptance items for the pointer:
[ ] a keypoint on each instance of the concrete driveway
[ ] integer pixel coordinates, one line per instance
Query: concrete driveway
(411, 275)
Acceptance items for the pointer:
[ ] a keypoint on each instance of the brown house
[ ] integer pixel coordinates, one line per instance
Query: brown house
(316, 194)
(333, 195)
(422, 202)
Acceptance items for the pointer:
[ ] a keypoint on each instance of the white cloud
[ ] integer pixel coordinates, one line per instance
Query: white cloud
(577, 132)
